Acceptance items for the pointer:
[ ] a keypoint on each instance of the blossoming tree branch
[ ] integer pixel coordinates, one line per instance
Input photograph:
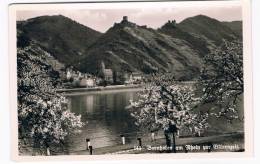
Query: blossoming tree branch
(173, 107)
(43, 118)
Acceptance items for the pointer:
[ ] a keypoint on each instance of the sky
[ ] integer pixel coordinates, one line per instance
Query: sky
(102, 16)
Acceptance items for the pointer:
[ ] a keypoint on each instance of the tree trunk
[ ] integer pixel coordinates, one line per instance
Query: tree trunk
(167, 138)
(173, 143)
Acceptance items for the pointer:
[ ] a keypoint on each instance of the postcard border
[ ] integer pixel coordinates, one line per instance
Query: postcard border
(248, 101)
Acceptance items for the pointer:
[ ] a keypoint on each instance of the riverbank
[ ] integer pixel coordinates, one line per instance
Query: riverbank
(231, 142)
(84, 90)
(110, 88)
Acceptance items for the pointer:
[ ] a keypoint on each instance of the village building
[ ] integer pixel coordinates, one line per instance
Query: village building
(108, 73)
(69, 73)
(79, 74)
(87, 82)
(137, 76)
(90, 82)
(134, 77)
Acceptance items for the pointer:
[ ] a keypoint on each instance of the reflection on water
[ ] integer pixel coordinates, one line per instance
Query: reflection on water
(105, 117)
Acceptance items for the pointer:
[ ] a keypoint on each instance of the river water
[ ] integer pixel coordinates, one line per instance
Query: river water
(105, 116)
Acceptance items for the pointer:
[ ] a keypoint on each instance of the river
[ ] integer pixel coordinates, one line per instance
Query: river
(105, 118)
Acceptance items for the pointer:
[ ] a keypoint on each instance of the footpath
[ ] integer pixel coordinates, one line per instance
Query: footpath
(231, 142)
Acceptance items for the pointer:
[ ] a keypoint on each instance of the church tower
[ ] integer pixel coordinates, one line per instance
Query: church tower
(103, 66)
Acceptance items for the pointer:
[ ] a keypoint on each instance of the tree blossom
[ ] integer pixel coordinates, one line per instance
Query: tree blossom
(163, 101)
(43, 116)
(222, 79)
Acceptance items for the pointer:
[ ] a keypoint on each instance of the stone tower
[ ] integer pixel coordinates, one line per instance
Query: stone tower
(125, 18)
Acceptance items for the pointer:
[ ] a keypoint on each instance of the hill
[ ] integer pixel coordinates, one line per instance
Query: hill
(64, 38)
(210, 28)
(236, 26)
(198, 43)
(127, 47)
